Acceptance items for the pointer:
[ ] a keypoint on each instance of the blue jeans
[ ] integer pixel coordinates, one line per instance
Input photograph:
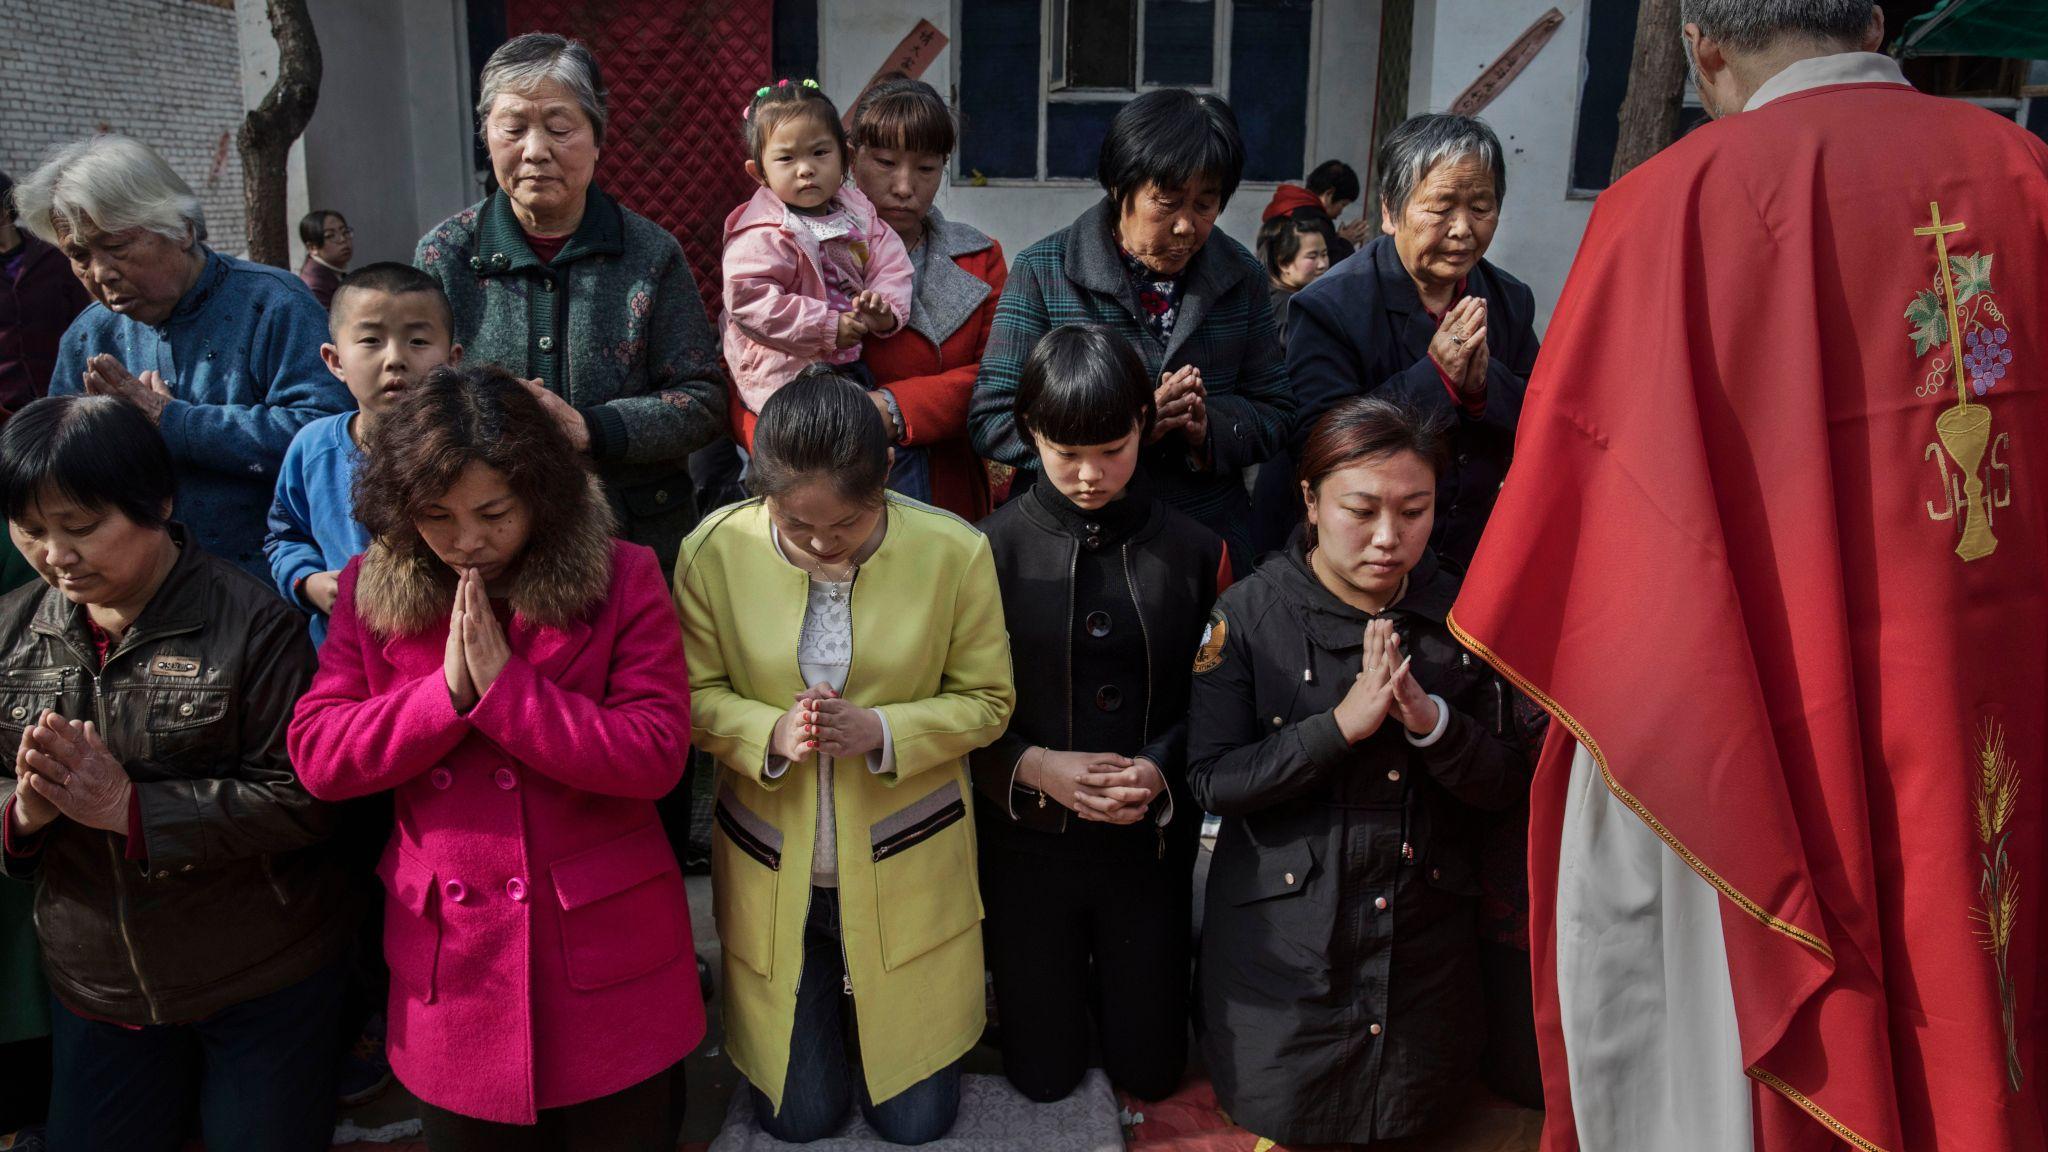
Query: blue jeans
(818, 1091)
(261, 1074)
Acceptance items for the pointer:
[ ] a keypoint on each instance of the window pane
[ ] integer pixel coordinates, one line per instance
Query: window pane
(1180, 41)
(1101, 43)
(1073, 136)
(1610, 44)
(1269, 43)
(998, 49)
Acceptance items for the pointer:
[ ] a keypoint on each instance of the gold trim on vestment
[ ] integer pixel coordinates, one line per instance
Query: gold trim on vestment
(1847, 1134)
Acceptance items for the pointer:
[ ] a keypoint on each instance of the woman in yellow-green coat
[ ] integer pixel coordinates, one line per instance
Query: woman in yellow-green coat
(847, 652)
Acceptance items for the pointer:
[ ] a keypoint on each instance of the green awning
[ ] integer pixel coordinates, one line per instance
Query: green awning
(2016, 29)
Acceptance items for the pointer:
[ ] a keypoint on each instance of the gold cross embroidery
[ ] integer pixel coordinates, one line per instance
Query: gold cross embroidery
(1965, 429)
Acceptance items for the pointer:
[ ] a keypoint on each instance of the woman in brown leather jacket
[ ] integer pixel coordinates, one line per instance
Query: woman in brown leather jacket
(192, 924)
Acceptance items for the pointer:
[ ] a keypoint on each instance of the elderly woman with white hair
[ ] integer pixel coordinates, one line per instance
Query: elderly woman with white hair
(1423, 319)
(592, 304)
(222, 355)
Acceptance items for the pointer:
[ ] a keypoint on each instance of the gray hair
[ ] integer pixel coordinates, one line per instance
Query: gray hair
(1423, 142)
(1751, 25)
(529, 60)
(113, 182)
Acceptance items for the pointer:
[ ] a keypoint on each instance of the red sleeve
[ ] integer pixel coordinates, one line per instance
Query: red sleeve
(1223, 574)
(1473, 408)
(25, 846)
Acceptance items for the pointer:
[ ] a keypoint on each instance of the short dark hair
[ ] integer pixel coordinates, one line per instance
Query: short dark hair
(1169, 137)
(393, 279)
(313, 227)
(1334, 176)
(1083, 384)
(820, 425)
(100, 451)
(476, 413)
(904, 114)
(1279, 240)
(786, 100)
(1372, 428)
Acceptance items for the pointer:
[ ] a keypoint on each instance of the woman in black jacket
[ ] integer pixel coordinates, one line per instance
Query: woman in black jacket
(1349, 745)
(1087, 831)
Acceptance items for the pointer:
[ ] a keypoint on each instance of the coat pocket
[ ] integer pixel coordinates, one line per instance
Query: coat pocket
(23, 700)
(624, 912)
(925, 886)
(187, 720)
(412, 923)
(746, 867)
(1274, 873)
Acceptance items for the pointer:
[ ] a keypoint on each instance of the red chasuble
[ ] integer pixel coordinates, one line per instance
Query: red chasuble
(1774, 548)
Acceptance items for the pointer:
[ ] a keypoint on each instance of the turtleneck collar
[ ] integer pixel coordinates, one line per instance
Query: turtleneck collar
(1103, 527)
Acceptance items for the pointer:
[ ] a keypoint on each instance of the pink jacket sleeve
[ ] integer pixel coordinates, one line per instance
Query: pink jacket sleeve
(890, 274)
(763, 279)
(345, 741)
(634, 742)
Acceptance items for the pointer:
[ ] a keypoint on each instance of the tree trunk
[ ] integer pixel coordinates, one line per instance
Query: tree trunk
(1656, 86)
(268, 130)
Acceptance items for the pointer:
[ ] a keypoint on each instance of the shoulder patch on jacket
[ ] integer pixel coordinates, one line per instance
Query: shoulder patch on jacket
(1209, 656)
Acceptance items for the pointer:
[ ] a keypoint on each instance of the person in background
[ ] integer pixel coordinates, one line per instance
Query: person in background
(1350, 746)
(1319, 200)
(1146, 261)
(1295, 252)
(330, 245)
(843, 862)
(516, 677)
(1088, 832)
(624, 359)
(222, 355)
(39, 298)
(902, 136)
(194, 922)
(1422, 318)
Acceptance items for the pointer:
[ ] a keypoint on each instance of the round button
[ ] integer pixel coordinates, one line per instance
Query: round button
(1436, 874)
(1276, 722)
(547, 343)
(500, 260)
(506, 779)
(19, 712)
(661, 496)
(455, 891)
(1098, 624)
(442, 778)
(1394, 775)
(163, 875)
(516, 889)
(186, 868)
(1109, 698)
(476, 263)
(185, 709)
(1380, 902)
(1375, 1029)
(547, 285)
(1289, 878)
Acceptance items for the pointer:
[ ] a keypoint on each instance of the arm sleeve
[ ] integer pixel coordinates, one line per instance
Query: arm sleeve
(1485, 769)
(1019, 321)
(1235, 767)
(731, 727)
(935, 407)
(683, 406)
(975, 695)
(1249, 424)
(284, 361)
(289, 545)
(889, 272)
(1323, 364)
(769, 311)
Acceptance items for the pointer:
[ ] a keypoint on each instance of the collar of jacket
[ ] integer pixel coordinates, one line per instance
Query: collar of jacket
(1135, 518)
(1336, 626)
(212, 275)
(168, 613)
(501, 247)
(949, 293)
(1092, 261)
(1398, 289)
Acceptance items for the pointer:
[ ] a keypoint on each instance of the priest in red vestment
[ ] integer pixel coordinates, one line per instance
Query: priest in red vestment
(1774, 554)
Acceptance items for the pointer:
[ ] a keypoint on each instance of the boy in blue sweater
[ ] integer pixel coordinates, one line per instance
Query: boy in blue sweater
(390, 324)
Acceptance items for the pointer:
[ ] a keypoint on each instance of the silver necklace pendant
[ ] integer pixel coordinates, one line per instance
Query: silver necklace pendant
(833, 594)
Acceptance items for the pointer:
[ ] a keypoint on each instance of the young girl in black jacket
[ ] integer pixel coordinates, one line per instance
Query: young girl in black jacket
(1087, 830)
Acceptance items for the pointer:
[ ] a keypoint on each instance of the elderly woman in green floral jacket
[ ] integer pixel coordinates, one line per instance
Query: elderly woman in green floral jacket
(593, 304)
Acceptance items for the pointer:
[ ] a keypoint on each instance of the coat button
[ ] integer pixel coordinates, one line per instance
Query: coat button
(1109, 698)
(547, 284)
(1289, 878)
(1098, 624)
(19, 712)
(455, 891)
(516, 889)
(506, 779)
(547, 343)
(163, 875)
(661, 496)
(442, 778)
(500, 260)
(186, 868)
(1375, 1029)
(1394, 775)
(476, 263)
(1276, 722)
(1380, 902)
(1436, 873)
(185, 709)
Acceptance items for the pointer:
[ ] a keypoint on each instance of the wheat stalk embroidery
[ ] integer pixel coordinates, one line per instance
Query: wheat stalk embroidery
(1998, 891)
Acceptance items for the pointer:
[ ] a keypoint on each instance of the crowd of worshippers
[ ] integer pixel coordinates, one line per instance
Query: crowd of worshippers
(357, 653)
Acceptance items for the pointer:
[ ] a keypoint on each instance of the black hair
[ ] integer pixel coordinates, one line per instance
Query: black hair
(904, 114)
(1334, 176)
(100, 451)
(820, 425)
(1169, 137)
(1279, 240)
(786, 100)
(1373, 428)
(393, 279)
(313, 227)
(1083, 384)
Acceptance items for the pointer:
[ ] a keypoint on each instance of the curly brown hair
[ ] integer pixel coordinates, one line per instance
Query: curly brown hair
(433, 431)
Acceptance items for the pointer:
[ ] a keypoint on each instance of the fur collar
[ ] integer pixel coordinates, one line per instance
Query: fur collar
(560, 579)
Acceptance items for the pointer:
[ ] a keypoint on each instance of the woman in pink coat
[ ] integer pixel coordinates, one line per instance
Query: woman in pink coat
(516, 676)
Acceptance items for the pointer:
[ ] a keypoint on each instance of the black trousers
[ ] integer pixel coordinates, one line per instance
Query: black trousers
(647, 1117)
(1073, 940)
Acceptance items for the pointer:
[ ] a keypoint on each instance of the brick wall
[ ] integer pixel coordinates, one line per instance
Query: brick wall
(167, 72)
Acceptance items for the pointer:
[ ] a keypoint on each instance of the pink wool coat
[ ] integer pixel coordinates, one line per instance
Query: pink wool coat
(536, 924)
(776, 322)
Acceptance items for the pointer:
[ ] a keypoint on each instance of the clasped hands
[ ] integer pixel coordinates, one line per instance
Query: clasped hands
(63, 768)
(871, 315)
(1182, 406)
(1459, 346)
(477, 650)
(1384, 687)
(821, 720)
(1098, 786)
(105, 375)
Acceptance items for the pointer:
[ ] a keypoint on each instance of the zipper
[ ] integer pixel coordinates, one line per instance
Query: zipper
(1144, 634)
(276, 889)
(121, 880)
(1073, 573)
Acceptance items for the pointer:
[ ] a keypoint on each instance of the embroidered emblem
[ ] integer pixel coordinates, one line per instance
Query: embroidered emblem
(1962, 301)
(174, 666)
(1209, 655)
(1998, 892)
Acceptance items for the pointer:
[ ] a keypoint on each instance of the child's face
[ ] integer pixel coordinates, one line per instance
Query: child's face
(385, 342)
(801, 163)
(1090, 475)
